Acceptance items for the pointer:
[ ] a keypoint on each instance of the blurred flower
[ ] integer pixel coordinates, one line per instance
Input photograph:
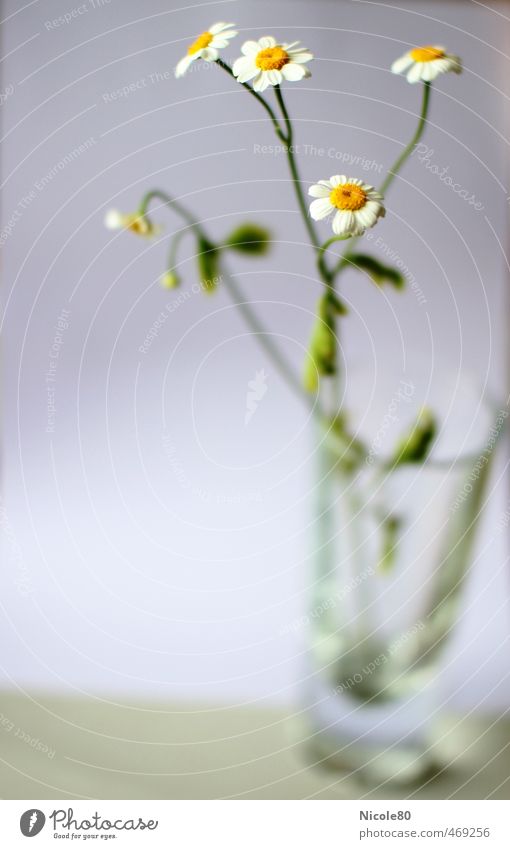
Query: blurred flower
(139, 224)
(268, 63)
(426, 63)
(357, 205)
(207, 46)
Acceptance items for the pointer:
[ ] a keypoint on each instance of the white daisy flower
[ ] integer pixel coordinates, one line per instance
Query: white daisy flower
(268, 63)
(426, 63)
(357, 206)
(139, 224)
(207, 46)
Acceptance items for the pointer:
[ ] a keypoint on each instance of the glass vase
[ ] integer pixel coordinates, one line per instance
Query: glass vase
(392, 551)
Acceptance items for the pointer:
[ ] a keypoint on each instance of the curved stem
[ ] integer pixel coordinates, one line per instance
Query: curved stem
(406, 153)
(248, 87)
(264, 340)
(173, 204)
(397, 166)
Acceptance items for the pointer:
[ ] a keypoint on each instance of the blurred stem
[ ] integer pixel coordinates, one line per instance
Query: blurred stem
(266, 342)
(248, 314)
(172, 204)
(174, 246)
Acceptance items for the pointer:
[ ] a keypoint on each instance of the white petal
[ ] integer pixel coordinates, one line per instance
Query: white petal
(241, 64)
(320, 208)
(401, 64)
(292, 46)
(113, 220)
(184, 64)
(274, 77)
(209, 54)
(300, 56)
(267, 41)
(327, 183)
(249, 48)
(228, 34)
(338, 180)
(219, 42)
(343, 223)
(366, 217)
(415, 73)
(248, 74)
(318, 191)
(430, 71)
(261, 81)
(292, 72)
(358, 229)
(216, 28)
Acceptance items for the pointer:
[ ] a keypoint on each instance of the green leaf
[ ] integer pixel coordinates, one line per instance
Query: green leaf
(415, 447)
(249, 239)
(208, 256)
(378, 271)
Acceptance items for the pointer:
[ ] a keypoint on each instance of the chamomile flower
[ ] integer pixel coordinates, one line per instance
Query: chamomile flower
(357, 206)
(139, 224)
(207, 46)
(268, 63)
(426, 63)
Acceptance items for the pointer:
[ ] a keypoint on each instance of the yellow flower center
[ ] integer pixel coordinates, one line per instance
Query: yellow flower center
(202, 41)
(426, 54)
(348, 196)
(271, 58)
(138, 224)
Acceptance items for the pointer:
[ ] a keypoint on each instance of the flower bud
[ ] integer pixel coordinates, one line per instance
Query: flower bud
(170, 280)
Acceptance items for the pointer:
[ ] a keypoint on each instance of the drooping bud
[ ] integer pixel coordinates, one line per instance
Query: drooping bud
(170, 280)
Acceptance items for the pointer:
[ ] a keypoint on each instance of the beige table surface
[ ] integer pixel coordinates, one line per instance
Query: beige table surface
(66, 748)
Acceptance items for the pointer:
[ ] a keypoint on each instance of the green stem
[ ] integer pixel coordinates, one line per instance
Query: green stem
(396, 168)
(295, 172)
(174, 246)
(406, 153)
(248, 87)
(266, 342)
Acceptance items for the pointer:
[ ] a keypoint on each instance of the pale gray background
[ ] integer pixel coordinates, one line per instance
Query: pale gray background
(134, 570)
